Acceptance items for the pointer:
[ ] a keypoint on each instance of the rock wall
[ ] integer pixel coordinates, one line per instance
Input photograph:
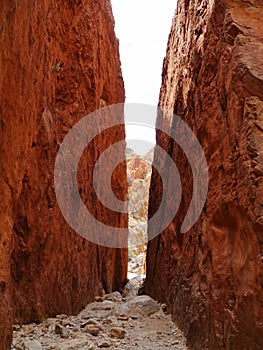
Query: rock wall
(59, 60)
(211, 277)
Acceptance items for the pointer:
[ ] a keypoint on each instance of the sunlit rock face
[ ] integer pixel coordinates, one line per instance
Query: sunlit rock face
(211, 277)
(59, 61)
(139, 169)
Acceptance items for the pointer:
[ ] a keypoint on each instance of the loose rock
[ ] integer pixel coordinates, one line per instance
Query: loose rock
(117, 332)
(141, 324)
(132, 287)
(104, 344)
(32, 345)
(91, 330)
(143, 305)
(115, 296)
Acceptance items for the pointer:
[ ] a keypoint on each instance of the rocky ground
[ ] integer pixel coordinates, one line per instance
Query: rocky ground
(112, 322)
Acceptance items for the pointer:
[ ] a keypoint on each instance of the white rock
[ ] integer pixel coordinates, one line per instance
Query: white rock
(139, 305)
(32, 345)
(133, 286)
(115, 296)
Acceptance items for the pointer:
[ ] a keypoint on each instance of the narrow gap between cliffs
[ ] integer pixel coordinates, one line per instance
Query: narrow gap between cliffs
(139, 169)
(142, 28)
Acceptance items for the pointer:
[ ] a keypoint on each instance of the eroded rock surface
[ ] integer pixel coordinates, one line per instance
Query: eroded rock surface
(59, 61)
(211, 277)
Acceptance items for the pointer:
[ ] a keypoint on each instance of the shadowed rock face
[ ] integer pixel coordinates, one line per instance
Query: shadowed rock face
(210, 277)
(59, 61)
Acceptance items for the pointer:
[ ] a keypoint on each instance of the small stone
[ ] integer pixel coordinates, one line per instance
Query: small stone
(108, 321)
(115, 296)
(105, 305)
(91, 329)
(30, 328)
(87, 347)
(93, 323)
(63, 332)
(98, 298)
(61, 316)
(117, 332)
(18, 346)
(16, 327)
(32, 345)
(58, 329)
(75, 329)
(122, 318)
(104, 344)
(66, 323)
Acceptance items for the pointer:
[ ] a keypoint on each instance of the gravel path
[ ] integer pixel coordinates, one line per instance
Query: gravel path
(113, 323)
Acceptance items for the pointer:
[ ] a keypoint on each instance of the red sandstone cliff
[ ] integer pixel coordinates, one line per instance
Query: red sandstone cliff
(211, 277)
(59, 60)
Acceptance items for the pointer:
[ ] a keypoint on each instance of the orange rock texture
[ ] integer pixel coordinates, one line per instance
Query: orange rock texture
(59, 61)
(211, 276)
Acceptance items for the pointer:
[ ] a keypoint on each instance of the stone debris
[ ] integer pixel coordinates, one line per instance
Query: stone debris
(116, 322)
(132, 287)
(115, 296)
(32, 345)
(91, 330)
(142, 304)
(93, 323)
(104, 344)
(58, 329)
(117, 332)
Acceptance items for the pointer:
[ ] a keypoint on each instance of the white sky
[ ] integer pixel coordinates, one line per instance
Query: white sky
(143, 27)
